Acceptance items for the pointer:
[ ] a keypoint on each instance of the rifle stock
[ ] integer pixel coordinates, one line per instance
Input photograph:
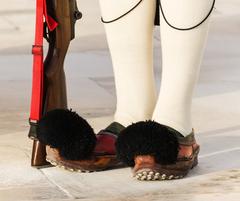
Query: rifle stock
(66, 13)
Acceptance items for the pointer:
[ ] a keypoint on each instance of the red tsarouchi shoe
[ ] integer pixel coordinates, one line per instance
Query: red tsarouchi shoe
(71, 143)
(157, 152)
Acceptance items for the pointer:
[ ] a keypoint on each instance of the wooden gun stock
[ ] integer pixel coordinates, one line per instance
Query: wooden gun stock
(65, 12)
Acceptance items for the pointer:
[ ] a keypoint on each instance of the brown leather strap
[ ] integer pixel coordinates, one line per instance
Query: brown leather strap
(187, 140)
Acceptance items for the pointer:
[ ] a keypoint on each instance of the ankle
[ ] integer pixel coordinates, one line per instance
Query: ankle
(185, 129)
(126, 119)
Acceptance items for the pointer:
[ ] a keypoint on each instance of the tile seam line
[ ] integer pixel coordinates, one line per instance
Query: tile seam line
(17, 12)
(221, 131)
(68, 194)
(220, 152)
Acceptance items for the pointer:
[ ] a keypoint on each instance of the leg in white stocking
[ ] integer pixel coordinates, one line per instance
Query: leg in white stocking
(181, 57)
(130, 43)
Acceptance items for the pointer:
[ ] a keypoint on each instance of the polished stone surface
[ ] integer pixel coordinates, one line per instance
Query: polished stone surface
(216, 178)
(216, 112)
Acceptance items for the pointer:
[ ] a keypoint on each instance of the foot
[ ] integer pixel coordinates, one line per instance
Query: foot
(92, 164)
(157, 152)
(106, 139)
(72, 144)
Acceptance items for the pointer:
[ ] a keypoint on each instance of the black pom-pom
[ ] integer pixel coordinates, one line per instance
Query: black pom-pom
(68, 132)
(148, 138)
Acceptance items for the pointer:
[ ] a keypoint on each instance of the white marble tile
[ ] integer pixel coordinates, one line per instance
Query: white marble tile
(118, 184)
(18, 180)
(15, 5)
(88, 64)
(83, 93)
(208, 180)
(33, 192)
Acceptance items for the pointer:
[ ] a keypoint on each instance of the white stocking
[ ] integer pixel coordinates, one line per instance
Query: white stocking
(181, 57)
(131, 47)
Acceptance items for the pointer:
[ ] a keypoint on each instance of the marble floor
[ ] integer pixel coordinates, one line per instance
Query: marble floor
(216, 113)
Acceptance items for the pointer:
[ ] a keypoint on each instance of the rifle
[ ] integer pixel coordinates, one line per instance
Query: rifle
(49, 91)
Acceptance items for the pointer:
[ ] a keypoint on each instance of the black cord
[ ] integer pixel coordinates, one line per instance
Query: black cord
(189, 28)
(164, 17)
(122, 15)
